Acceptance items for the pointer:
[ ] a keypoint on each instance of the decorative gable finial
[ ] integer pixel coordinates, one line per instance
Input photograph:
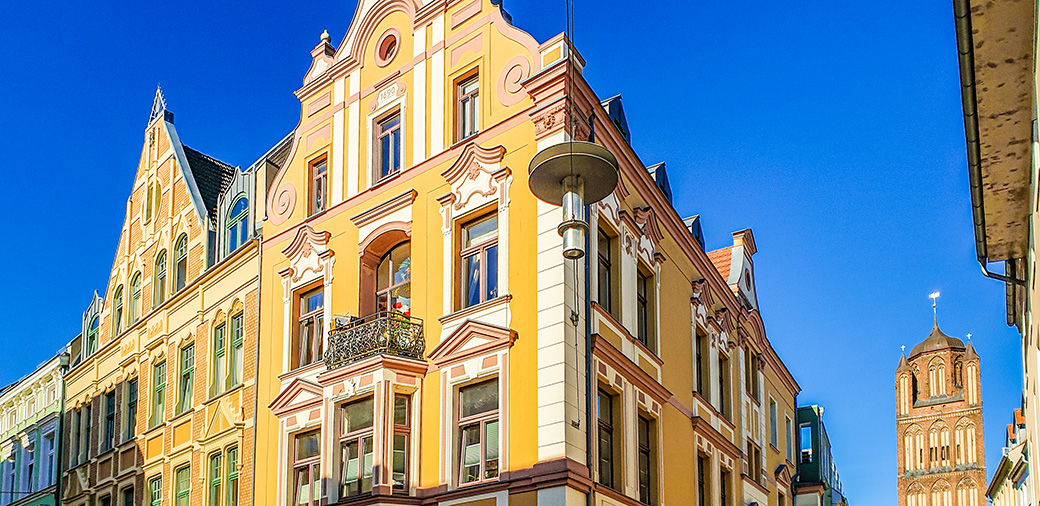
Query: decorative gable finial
(325, 37)
(158, 104)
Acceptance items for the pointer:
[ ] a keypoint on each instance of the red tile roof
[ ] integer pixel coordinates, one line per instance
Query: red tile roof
(721, 258)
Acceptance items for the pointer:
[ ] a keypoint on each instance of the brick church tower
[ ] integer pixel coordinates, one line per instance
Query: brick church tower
(942, 458)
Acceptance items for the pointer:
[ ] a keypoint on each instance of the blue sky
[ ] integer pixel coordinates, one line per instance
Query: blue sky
(832, 129)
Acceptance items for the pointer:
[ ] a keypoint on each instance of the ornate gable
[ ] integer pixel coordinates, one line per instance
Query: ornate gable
(472, 338)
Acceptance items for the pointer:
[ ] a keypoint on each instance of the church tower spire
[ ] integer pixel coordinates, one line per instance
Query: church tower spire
(939, 421)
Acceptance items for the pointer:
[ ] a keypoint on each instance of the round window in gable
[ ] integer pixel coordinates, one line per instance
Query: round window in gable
(389, 42)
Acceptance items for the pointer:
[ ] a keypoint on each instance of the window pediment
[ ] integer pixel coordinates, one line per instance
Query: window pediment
(307, 253)
(300, 394)
(472, 338)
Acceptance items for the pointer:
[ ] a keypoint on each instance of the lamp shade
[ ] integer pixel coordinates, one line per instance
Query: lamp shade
(594, 165)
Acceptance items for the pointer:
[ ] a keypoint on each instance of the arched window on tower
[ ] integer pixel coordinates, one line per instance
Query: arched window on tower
(916, 389)
(911, 448)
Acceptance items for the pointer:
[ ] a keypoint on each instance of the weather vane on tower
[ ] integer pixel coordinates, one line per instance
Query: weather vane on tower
(935, 315)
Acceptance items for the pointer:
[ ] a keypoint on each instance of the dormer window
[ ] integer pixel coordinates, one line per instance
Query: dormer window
(238, 225)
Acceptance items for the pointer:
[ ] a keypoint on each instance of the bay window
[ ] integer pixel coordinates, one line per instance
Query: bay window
(356, 447)
(402, 441)
(478, 432)
(306, 474)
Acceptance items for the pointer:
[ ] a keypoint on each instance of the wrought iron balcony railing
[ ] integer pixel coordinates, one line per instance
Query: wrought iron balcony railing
(386, 332)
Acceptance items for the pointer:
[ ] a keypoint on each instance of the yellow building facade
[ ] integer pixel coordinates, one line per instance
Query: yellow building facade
(423, 340)
(160, 397)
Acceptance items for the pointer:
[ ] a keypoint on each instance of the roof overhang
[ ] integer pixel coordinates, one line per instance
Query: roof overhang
(995, 42)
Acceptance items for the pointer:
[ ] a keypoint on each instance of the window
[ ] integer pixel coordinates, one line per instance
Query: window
(478, 432)
(805, 442)
(155, 491)
(479, 256)
(159, 285)
(215, 476)
(219, 358)
(180, 257)
(128, 497)
(773, 437)
(117, 313)
(158, 393)
(237, 350)
(47, 472)
(702, 481)
(306, 469)
(182, 482)
(319, 186)
(701, 359)
(643, 310)
(393, 280)
(356, 447)
(131, 409)
(402, 441)
(751, 366)
(607, 457)
(74, 437)
(646, 459)
(187, 378)
(605, 289)
(724, 491)
(468, 100)
(238, 225)
(232, 476)
(105, 501)
(135, 298)
(754, 461)
(109, 434)
(724, 386)
(307, 348)
(88, 423)
(92, 336)
(789, 440)
(388, 145)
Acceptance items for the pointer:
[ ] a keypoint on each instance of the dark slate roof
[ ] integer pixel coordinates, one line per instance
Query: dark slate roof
(936, 341)
(212, 176)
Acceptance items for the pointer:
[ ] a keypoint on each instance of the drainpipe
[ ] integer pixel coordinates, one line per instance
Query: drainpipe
(966, 62)
(589, 420)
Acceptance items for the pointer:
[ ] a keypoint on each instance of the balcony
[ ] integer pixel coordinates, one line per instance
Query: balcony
(383, 333)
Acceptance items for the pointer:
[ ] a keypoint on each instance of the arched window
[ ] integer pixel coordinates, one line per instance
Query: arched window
(393, 280)
(180, 258)
(238, 225)
(160, 279)
(135, 298)
(117, 312)
(92, 337)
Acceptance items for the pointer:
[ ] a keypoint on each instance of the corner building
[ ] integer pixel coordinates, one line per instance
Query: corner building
(942, 458)
(424, 340)
(160, 397)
